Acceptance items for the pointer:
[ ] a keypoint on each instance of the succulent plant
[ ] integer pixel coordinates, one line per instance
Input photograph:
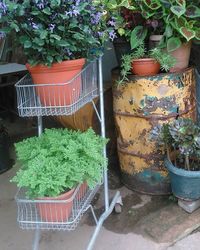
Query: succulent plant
(183, 137)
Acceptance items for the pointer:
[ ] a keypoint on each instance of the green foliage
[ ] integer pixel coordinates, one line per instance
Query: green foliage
(138, 35)
(123, 18)
(58, 160)
(161, 135)
(165, 59)
(53, 31)
(180, 19)
(182, 136)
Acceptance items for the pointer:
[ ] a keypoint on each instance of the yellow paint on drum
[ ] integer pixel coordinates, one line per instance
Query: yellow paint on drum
(143, 103)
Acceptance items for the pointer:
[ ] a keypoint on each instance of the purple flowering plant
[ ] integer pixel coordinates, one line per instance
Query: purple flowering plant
(52, 31)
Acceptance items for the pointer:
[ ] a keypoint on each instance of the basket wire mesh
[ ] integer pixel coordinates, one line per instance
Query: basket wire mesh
(54, 214)
(54, 99)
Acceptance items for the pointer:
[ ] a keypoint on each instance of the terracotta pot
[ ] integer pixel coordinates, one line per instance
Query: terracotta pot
(82, 191)
(182, 56)
(145, 67)
(62, 94)
(56, 212)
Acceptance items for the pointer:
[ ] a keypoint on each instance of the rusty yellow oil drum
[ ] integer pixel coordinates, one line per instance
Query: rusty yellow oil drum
(139, 105)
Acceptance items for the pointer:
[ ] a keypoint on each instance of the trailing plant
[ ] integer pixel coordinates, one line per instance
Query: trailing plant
(56, 30)
(59, 160)
(180, 138)
(166, 60)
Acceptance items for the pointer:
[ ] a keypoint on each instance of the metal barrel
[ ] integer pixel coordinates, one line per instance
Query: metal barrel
(139, 105)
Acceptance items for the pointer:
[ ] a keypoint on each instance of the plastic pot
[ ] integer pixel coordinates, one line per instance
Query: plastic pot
(185, 184)
(56, 87)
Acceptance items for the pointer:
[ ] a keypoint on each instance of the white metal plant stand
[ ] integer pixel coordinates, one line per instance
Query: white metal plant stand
(43, 100)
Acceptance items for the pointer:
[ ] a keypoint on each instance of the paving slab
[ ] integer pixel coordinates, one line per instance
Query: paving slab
(189, 243)
(155, 217)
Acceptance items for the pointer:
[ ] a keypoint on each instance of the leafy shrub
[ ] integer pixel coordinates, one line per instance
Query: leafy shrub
(58, 160)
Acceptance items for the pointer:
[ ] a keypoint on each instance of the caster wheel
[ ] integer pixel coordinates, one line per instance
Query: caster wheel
(118, 208)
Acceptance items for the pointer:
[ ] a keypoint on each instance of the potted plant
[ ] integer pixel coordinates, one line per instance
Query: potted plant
(180, 20)
(181, 141)
(123, 18)
(57, 37)
(5, 162)
(52, 166)
(144, 63)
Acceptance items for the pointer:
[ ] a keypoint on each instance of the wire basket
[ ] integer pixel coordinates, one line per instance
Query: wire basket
(54, 214)
(55, 99)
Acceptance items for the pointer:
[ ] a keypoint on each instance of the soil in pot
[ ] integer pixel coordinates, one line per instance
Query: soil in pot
(56, 87)
(145, 67)
(53, 211)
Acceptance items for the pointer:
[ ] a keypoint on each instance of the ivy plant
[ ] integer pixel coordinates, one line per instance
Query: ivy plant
(59, 160)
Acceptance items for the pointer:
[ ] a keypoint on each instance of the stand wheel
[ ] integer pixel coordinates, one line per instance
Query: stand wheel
(118, 208)
(118, 205)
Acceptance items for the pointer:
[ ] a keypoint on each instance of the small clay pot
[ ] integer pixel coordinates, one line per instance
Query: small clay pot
(145, 67)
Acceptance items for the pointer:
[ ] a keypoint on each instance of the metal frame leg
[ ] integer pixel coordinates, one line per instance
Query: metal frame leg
(36, 239)
(108, 208)
(103, 133)
(102, 219)
(40, 128)
(37, 231)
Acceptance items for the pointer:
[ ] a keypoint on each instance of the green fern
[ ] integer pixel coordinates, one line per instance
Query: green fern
(58, 160)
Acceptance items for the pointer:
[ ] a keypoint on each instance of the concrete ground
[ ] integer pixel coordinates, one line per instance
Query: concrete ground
(146, 223)
(117, 233)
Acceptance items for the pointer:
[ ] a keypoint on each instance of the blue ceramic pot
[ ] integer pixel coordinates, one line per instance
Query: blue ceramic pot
(185, 184)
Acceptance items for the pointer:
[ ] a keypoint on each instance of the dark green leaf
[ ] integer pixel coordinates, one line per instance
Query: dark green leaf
(27, 44)
(173, 44)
